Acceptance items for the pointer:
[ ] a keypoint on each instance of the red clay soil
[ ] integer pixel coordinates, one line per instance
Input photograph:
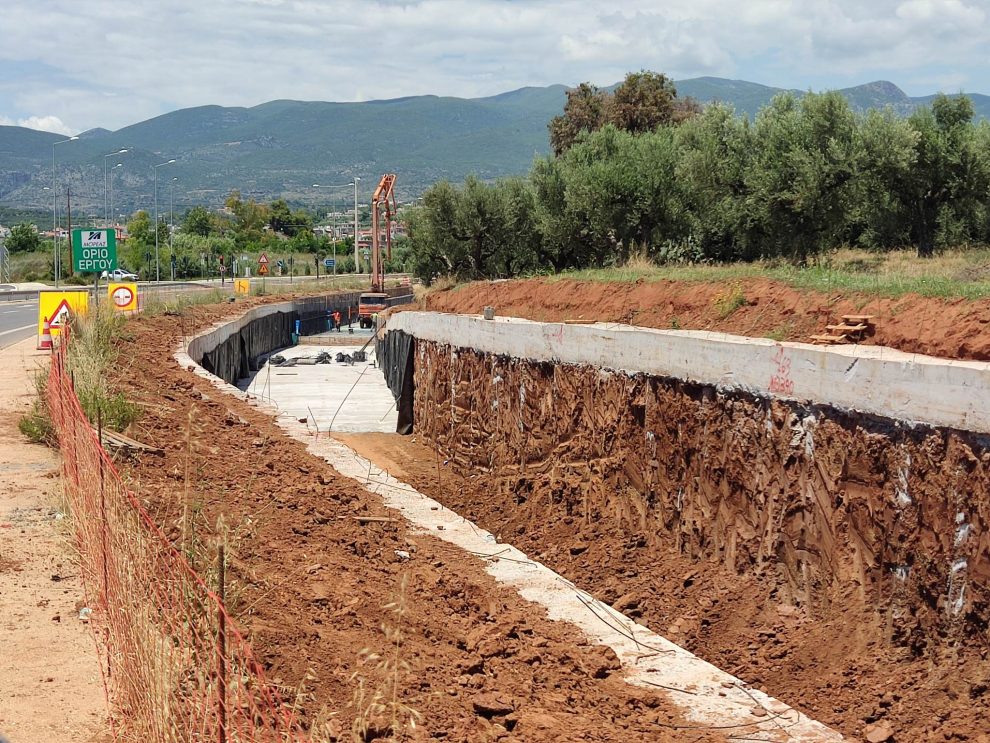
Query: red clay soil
(311, 582)
(950, 328)
(825, 662)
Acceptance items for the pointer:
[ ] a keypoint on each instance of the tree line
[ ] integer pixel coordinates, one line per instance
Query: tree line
(636, 171)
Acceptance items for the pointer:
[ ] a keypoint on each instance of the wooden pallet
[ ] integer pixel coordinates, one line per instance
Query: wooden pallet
(829, 340)
(852, 329)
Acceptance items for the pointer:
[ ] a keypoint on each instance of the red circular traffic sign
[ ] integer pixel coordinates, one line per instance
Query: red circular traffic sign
(122, 296)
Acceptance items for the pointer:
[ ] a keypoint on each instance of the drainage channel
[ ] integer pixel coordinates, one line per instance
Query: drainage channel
(314, 400)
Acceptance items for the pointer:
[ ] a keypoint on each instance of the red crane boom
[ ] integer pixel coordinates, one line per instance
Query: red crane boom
(382, 206)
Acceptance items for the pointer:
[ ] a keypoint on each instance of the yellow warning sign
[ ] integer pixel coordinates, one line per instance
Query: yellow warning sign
(58, 308)
(123, 297)
(242, 286)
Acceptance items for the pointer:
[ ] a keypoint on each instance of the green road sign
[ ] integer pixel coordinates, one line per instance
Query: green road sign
(94, 251)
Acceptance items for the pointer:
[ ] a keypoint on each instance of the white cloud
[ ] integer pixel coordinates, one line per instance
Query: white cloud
(111, 63)
(42, 123)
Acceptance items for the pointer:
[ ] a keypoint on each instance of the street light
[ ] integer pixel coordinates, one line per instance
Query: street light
(357, 266)
(55, 207)
(158, 274)
(118, 165)
(341, 185)
(171, 226)
(106, 211)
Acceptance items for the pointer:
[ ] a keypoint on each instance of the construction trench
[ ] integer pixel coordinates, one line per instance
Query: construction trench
(811, 521)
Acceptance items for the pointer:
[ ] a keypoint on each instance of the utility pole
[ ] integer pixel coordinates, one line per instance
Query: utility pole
(4, 263)
(68, 231)
(158, 272)
(171, 225)
(55, 208)
(357, 264)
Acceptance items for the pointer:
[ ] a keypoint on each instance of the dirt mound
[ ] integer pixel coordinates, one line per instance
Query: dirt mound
(310, 582)
(951, 328)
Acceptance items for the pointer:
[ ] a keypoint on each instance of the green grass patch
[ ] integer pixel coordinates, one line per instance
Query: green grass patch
(958, 273)
(91, 357)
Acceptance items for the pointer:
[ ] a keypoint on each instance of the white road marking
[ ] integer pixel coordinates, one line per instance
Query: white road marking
(18, 330)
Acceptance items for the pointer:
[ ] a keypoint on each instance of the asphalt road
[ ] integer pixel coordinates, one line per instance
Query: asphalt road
(18, 320)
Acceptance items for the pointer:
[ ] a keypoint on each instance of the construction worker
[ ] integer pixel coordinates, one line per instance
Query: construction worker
(374, 321)
(336, 319)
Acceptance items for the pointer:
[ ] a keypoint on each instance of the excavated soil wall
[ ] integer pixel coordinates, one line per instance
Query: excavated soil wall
(839, 508)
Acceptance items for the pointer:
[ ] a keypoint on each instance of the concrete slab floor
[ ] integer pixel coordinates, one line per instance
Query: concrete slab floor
(338, 397)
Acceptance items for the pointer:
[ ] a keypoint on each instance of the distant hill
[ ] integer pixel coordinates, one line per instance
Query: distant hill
(749, 98)
(283, 147)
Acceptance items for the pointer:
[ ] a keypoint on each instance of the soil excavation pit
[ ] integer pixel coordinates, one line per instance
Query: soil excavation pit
(708, 697)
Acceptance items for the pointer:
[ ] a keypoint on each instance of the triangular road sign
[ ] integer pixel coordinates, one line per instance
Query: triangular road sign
(60, 318)
(263, 260)
(263, 269)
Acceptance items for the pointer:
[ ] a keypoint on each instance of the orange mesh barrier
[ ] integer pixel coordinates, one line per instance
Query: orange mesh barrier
(175, 666)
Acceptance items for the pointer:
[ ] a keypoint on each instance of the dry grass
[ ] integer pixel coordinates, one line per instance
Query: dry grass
(639, 261)
(379, 710)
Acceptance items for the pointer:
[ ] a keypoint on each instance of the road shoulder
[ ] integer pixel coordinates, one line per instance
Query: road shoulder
(50, 687)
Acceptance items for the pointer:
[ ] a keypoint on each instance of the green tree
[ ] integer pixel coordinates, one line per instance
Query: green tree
(250, 220)
(139, 228)
(23, 238)
(280, 217)
(584, 111)
(802, 181)
(715, 150)
(433, 229)
(889, 153)
(949, 172)
(198, 221)
(643, 102)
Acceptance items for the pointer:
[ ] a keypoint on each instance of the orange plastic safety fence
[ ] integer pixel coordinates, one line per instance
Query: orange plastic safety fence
(175, 666)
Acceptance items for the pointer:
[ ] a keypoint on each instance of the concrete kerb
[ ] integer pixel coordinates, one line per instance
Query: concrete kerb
(708, 697)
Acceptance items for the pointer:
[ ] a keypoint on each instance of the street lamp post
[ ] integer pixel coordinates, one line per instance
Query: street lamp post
(344, 185)
(357, 265)
(55, 208)
(171, 226)
(106, 209)
(158, 274)
(118, 165)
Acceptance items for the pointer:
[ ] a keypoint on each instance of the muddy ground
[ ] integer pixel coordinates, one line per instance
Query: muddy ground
(310, 583)
(952, 328)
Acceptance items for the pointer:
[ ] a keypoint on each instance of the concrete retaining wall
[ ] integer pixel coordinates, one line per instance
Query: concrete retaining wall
(868, 379)
(231, 350)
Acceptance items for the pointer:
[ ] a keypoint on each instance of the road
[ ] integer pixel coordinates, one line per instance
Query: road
(18, 320)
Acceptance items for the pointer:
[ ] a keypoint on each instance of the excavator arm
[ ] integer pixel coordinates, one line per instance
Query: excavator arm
(383, 210)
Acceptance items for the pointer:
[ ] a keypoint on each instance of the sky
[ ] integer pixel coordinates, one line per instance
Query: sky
(71, 65)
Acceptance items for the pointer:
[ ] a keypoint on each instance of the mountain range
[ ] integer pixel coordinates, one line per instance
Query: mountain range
(283, 147)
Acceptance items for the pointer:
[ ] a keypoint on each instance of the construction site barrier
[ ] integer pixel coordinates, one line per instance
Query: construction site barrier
(176, 668)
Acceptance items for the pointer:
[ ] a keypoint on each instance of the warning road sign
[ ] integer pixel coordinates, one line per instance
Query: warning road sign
(60, 318)
(123, 297)
(242, 286)
(58, 308)
(263, 269)
(263, 260)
